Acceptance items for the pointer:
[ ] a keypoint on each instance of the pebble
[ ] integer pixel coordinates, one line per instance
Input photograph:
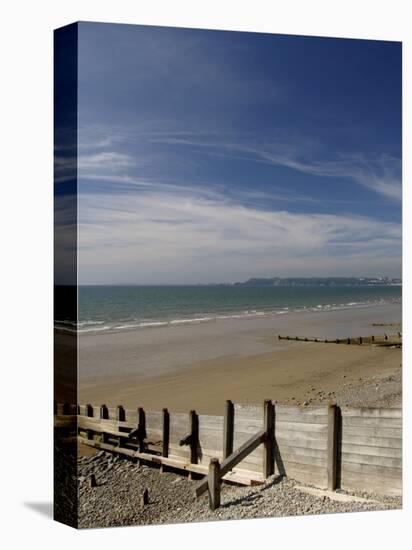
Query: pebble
(118, 501)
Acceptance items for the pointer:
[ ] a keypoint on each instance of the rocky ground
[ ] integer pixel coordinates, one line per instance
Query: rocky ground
(117, 498)
(377, 391)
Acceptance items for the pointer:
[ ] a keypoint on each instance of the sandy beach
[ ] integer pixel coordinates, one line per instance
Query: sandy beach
(201, 365)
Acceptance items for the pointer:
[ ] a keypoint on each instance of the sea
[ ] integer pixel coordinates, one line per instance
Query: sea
(120, 308)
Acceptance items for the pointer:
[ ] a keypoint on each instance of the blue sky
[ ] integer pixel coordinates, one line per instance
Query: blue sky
(209, 156)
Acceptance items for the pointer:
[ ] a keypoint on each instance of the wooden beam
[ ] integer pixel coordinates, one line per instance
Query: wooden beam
(214, 483)
(228, 429)
(332, 446)
(242, 478)
(230, 462)
(268, 456)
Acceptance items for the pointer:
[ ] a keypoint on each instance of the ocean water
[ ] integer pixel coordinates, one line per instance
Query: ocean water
(117, 308)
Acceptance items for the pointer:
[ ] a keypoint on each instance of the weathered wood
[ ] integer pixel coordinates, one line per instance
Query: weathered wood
(234, 459)
(194, 443)
(372, 450)
(364, 421)
(372, 412)
(364, 441)
(332, 446)
(120, 413)
(142, 428)
(214, 483)
(228, 428)
(242, 477)
(165, 432)
(65, 421)
(268, 422)
(372, 460)
(371, 431)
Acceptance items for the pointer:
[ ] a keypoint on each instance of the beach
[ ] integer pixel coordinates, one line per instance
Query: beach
(200, 365)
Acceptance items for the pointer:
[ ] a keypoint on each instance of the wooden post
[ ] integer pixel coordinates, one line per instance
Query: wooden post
(92, 481)
(228, 429)
(194, 440)
(104, 414)
(121, 413)
(142, 428)
(332, 445)
(165, 436)
(214, 483)
(89, 412)
(268, 455)
(121, 417)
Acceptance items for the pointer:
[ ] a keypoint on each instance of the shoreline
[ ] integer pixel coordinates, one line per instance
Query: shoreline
(104, 327)
(200, 366)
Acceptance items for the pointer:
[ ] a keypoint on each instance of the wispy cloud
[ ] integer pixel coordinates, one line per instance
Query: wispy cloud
(206, 240)
(379, 173)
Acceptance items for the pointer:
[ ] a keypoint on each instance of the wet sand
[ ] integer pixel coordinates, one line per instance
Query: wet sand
(200, 366)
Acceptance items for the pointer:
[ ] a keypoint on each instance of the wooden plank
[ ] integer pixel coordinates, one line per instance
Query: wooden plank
(249, 412)
(372, 484)
(300, 427)
(375, 422)
(372, 412)
(312, 475)
(389, 452)
(303, 452)
(372, 431)
(363, 440)
(387, 462)
(301, 418)
(366, 469)
(302, 458)
(242, 477)
(299, 442)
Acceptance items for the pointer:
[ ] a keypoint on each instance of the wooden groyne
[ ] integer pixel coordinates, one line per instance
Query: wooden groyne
(352, 448)
(394, 339)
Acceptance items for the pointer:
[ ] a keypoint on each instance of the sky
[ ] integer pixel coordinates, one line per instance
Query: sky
(212, 156)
